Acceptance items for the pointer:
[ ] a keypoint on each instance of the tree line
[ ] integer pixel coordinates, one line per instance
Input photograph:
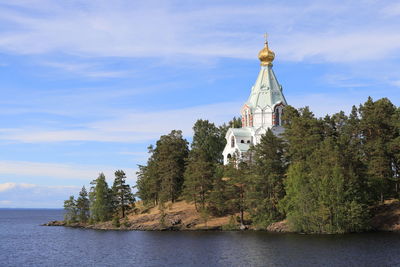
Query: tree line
(321, 174)
(102, 203)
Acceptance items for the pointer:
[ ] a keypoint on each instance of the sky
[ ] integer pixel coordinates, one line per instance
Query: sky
(87, 86)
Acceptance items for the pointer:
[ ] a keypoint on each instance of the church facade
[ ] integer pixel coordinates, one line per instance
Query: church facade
(262, 111)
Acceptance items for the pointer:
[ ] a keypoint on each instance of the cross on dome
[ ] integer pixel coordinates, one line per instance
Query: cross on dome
(266, 55)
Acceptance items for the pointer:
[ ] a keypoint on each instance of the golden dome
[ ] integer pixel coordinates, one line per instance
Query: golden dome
(266, 56)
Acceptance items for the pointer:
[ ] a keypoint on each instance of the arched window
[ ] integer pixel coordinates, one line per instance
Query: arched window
(242, 141)
(229, 156)
(278, 115)
(248, 141)
(277, 118)
(232, 141)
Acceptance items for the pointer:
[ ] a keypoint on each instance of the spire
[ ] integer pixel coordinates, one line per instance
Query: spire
(266, 92)
(266, 56)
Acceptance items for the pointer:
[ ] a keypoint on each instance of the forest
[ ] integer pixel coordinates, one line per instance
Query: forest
(323, 174)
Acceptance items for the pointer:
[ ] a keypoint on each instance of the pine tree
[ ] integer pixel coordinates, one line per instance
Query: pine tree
(235, 122)
(101, 202)
(121, 193)
(83, 205)
(205, 154)
(378, 130)
(208, 141)
(321, 194)
(170, 156)
(71, 211)
(149, 180)
(236, 174)
(303, 133)
(218, 196)
(265, 186)
(198, 176)
(147, 185)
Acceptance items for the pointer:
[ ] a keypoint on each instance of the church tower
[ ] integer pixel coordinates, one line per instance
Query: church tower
(262, 110)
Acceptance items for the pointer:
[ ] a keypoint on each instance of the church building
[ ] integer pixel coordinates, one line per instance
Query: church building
(262, 111)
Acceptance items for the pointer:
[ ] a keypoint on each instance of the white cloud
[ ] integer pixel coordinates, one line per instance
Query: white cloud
(86, 70)
(20, 195)
(131, 126)
(129, 29)
(341, 47)
(56, 171)
(10, 186)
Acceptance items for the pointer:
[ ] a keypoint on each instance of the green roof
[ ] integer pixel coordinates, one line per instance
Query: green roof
(266, 92)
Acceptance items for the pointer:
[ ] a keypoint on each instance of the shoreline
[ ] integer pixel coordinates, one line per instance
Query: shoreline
(182, 216)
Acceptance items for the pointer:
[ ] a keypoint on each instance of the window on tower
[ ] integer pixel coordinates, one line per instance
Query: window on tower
(277, 118)
(232, 141)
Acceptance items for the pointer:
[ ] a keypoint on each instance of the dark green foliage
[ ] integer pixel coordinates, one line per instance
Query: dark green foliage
(207, 146)
(379, 128)
(101, 208)
(198, 179)
(170, 154)
(83, 206)
(218, 195)
(236, 174)
(329, 185)
(148, 182)
(235, 122)
(321, 195)
(162, 179)
(303, 132)
(71, 211)
(321, 174)
(265, 184)
(208, 140)
(123, 199)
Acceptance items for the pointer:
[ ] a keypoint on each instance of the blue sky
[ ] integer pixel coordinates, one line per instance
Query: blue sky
(86, 86)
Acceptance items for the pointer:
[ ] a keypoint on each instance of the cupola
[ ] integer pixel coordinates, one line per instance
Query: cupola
(266, 55)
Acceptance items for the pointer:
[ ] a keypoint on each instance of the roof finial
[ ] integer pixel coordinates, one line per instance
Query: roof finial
(266, 39)
(266, 56)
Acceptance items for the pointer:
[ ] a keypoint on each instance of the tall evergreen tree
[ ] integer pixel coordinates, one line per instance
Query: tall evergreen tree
(219, 194)
(198, 183)
(170, 155)
(71, 211)
(83, 206)
(236, 174)
(101, 199)
(303, 133)
(148, 184)
(265, 186)
(378, 130)
(321, 194)
(121, 193)
(206, 152)
(235, 122)
(208, 140)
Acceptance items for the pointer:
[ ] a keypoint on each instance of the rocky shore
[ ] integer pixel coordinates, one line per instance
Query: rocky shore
(182, 216)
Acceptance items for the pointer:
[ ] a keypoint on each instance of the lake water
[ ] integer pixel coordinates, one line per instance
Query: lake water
(24, 243)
